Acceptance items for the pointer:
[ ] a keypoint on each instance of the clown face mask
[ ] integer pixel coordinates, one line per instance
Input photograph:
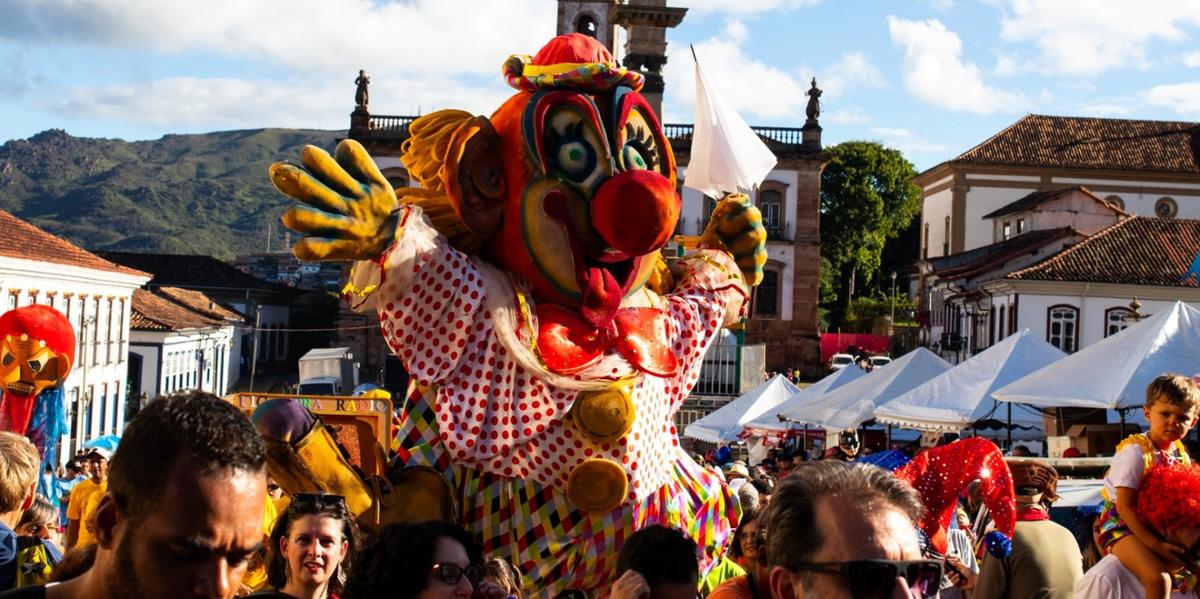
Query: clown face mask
(591, 195)
(37, 347)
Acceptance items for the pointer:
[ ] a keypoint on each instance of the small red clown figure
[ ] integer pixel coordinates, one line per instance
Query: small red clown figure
(523, 287)
(37, 350)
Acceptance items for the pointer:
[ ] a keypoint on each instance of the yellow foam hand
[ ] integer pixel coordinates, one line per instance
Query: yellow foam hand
(348, 209)
(736, 225)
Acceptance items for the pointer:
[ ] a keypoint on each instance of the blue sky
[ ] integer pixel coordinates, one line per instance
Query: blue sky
(930, 77)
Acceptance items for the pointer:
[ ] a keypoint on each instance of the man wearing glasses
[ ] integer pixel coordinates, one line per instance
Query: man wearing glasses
(837, 530)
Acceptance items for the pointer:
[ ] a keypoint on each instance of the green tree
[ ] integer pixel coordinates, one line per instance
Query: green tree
(867, 198)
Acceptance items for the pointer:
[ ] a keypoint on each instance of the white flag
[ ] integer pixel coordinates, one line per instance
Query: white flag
(727, 155)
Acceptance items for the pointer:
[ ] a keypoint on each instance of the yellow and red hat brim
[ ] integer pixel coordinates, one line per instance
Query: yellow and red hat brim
(521, 74)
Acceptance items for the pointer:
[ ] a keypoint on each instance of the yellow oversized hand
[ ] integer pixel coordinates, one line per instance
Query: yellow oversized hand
(349, 208)
(736, 225)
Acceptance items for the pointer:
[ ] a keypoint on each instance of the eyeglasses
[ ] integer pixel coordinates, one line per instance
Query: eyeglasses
(452, 573)
(871, 578)
(272, 487)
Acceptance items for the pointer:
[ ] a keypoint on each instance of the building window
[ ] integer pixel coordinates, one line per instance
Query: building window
(1165, 208)
(122, 350)
(1062, 328)
(586, 24)
(1020, 226)
(710, 205)
(108, 334)
(1003, 331)
(1007, 228)
(96, 333)
(1115, 320)
(925, 243)
(770, 204)
(946, 238)
(13, 298)
(1116, 201)
(766, 296)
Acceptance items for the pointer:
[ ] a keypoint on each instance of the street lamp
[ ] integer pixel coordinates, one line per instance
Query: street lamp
(893, 299)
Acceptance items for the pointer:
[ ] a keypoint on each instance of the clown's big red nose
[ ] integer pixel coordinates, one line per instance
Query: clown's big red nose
(635, 211)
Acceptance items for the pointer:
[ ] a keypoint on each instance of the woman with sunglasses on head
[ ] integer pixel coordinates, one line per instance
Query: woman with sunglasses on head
(745, 550)
(430, 560)
(311, 548)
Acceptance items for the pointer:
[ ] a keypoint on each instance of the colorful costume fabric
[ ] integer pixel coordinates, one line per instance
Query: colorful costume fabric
(483, 415)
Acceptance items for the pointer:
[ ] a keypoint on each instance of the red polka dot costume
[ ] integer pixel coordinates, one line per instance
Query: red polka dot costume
(480, 412)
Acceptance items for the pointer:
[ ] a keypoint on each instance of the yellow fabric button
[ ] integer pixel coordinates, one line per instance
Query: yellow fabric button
(604, 416)
(597, 485)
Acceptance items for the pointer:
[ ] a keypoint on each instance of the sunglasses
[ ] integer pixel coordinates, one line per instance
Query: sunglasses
(872, 578)
(452, 573)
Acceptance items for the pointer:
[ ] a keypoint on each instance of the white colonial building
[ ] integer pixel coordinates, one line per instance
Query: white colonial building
(1147, 168)
(95, 295)
(181, 339)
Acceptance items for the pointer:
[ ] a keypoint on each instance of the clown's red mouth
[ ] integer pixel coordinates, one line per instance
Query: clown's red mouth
(604, 280)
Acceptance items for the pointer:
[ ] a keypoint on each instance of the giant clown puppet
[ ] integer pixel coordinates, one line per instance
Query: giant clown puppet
(523, 288)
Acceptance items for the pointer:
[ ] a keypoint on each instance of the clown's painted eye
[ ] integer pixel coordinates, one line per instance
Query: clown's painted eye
(8, 358)
(574, 150)
(576, 159)
(639, 152)
(35, 365)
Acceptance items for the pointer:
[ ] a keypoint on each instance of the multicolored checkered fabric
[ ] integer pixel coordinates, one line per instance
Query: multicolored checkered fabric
(556, 546)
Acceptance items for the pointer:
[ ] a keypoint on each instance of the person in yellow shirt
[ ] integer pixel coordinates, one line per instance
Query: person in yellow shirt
(82, 493)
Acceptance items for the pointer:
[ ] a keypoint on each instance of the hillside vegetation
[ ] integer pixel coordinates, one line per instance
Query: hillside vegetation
(194, 194)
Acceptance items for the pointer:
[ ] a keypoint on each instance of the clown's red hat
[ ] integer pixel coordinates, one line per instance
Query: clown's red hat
(573, 61)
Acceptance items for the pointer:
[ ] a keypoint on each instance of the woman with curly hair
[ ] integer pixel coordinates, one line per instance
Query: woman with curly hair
(311, 549)
(430, 560)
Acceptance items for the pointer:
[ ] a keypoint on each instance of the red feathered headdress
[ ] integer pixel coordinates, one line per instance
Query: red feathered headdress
(941, 474)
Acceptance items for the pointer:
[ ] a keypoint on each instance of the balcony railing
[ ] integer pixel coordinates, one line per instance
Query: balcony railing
(384, 123)
(783, 135)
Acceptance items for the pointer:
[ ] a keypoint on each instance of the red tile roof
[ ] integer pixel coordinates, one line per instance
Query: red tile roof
(990, 257)
(156, 313)
(1136, 251)
(1037, 197)
(1092, 143)
(23, 240)
(199, 303)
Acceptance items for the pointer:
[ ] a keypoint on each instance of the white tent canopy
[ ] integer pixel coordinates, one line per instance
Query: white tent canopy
(727, 155)
(1114, 372)
(726, 424)
(769, 420)
(956, 399)
(855, 402)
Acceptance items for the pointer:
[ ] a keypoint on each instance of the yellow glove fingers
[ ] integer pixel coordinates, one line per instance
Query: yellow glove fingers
(355, 160)
(303, 219)
(328, 171)
(316, 249)
(297, 183)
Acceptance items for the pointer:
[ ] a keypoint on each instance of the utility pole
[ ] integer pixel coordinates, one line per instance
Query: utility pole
(254, 356)
(893, 300)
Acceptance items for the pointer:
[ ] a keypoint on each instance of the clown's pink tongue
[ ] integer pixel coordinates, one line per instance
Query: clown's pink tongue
(601, 297)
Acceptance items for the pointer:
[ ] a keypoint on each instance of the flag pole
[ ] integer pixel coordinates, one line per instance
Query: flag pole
(693, 49)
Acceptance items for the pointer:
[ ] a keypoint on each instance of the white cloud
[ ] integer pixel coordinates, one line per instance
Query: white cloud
(1181, 98)
(942, 5)
(1192, 59)
(418, 36)
(904, 140)
(851, 70)
(1107, 108)
(744, 7)
(848, 116)
(224, 103)
(756, 90)
(1092, 36)
(934, 70)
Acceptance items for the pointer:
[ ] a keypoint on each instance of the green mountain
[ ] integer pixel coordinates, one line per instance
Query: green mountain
(183, 194)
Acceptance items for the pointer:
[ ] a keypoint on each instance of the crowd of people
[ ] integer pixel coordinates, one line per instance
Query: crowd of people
(185, 507)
